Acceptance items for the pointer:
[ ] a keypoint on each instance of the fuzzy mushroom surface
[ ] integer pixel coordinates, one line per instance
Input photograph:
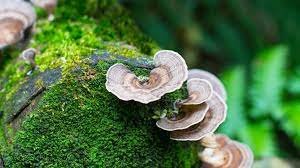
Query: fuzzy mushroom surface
(213, 118)
(214, 81)
(169, 74)
(16, 16)
(229, 154)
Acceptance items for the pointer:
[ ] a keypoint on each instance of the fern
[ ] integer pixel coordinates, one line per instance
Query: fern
(268, 81)
(235, 119)
(293, 84)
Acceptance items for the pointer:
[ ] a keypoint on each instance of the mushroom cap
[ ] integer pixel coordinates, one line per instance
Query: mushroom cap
(10, 32)
(29, 54)
(19, 10)
(15, 17)
(199, 90)
(209, 141)
(236, 154)
(168, 76)
(215, 82)
(176, 68)
(189, 117)
(213, 118)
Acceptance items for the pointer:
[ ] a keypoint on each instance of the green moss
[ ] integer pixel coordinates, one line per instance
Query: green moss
(39, 83)
(77, 122)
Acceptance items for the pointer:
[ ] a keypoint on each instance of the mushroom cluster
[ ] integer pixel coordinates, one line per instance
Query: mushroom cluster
(201, 113)
(16, 16)
(197, 117)
(169, 74)
(222, 152)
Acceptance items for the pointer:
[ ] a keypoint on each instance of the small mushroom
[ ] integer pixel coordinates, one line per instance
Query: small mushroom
(48, 5)
(29, 56)
(15, 17)
(213, 118)
(229, 154)
(216, 83)
(168, 75)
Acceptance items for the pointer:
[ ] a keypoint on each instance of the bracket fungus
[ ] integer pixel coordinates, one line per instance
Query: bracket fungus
(209, 141)
(214, 81)
(169, 74)
(199, 91)
(192, 109)
(185, 119)
(16, 16)
(199, 115)
(215, 115)
(228, 154)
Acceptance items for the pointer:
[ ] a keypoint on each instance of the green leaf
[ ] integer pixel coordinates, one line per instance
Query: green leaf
(260, 138)
(234, 81)
(268, 81)
(293, 83)
(290, 122)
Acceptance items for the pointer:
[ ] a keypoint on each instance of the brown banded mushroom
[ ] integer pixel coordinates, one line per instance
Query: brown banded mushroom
(199, 91)
(193, 109)
(214, 81)
(29, 56)
(169, 74)
(213, 118)
(16, 16)
(209, 141)
(228, 154)
(185, 119)
(48, 5)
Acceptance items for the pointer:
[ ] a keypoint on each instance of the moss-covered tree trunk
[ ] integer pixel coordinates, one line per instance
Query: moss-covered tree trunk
(61, 115)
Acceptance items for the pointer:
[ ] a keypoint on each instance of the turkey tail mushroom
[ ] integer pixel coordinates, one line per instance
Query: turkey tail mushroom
(214, 81)
(169, 74)
(213, 118)
(199, 91)
(185, 119)
(227, 154)
(16, 16)
(193, 109)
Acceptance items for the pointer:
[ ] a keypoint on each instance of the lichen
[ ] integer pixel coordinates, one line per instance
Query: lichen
(77, 122)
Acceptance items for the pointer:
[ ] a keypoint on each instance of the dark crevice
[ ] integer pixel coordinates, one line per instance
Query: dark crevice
(285, 142)
(1, 162)
(29, 102)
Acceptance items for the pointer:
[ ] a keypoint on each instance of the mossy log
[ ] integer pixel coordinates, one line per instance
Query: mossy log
(61, 114)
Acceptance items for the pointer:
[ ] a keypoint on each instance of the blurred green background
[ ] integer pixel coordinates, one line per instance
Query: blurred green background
(253, 47)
